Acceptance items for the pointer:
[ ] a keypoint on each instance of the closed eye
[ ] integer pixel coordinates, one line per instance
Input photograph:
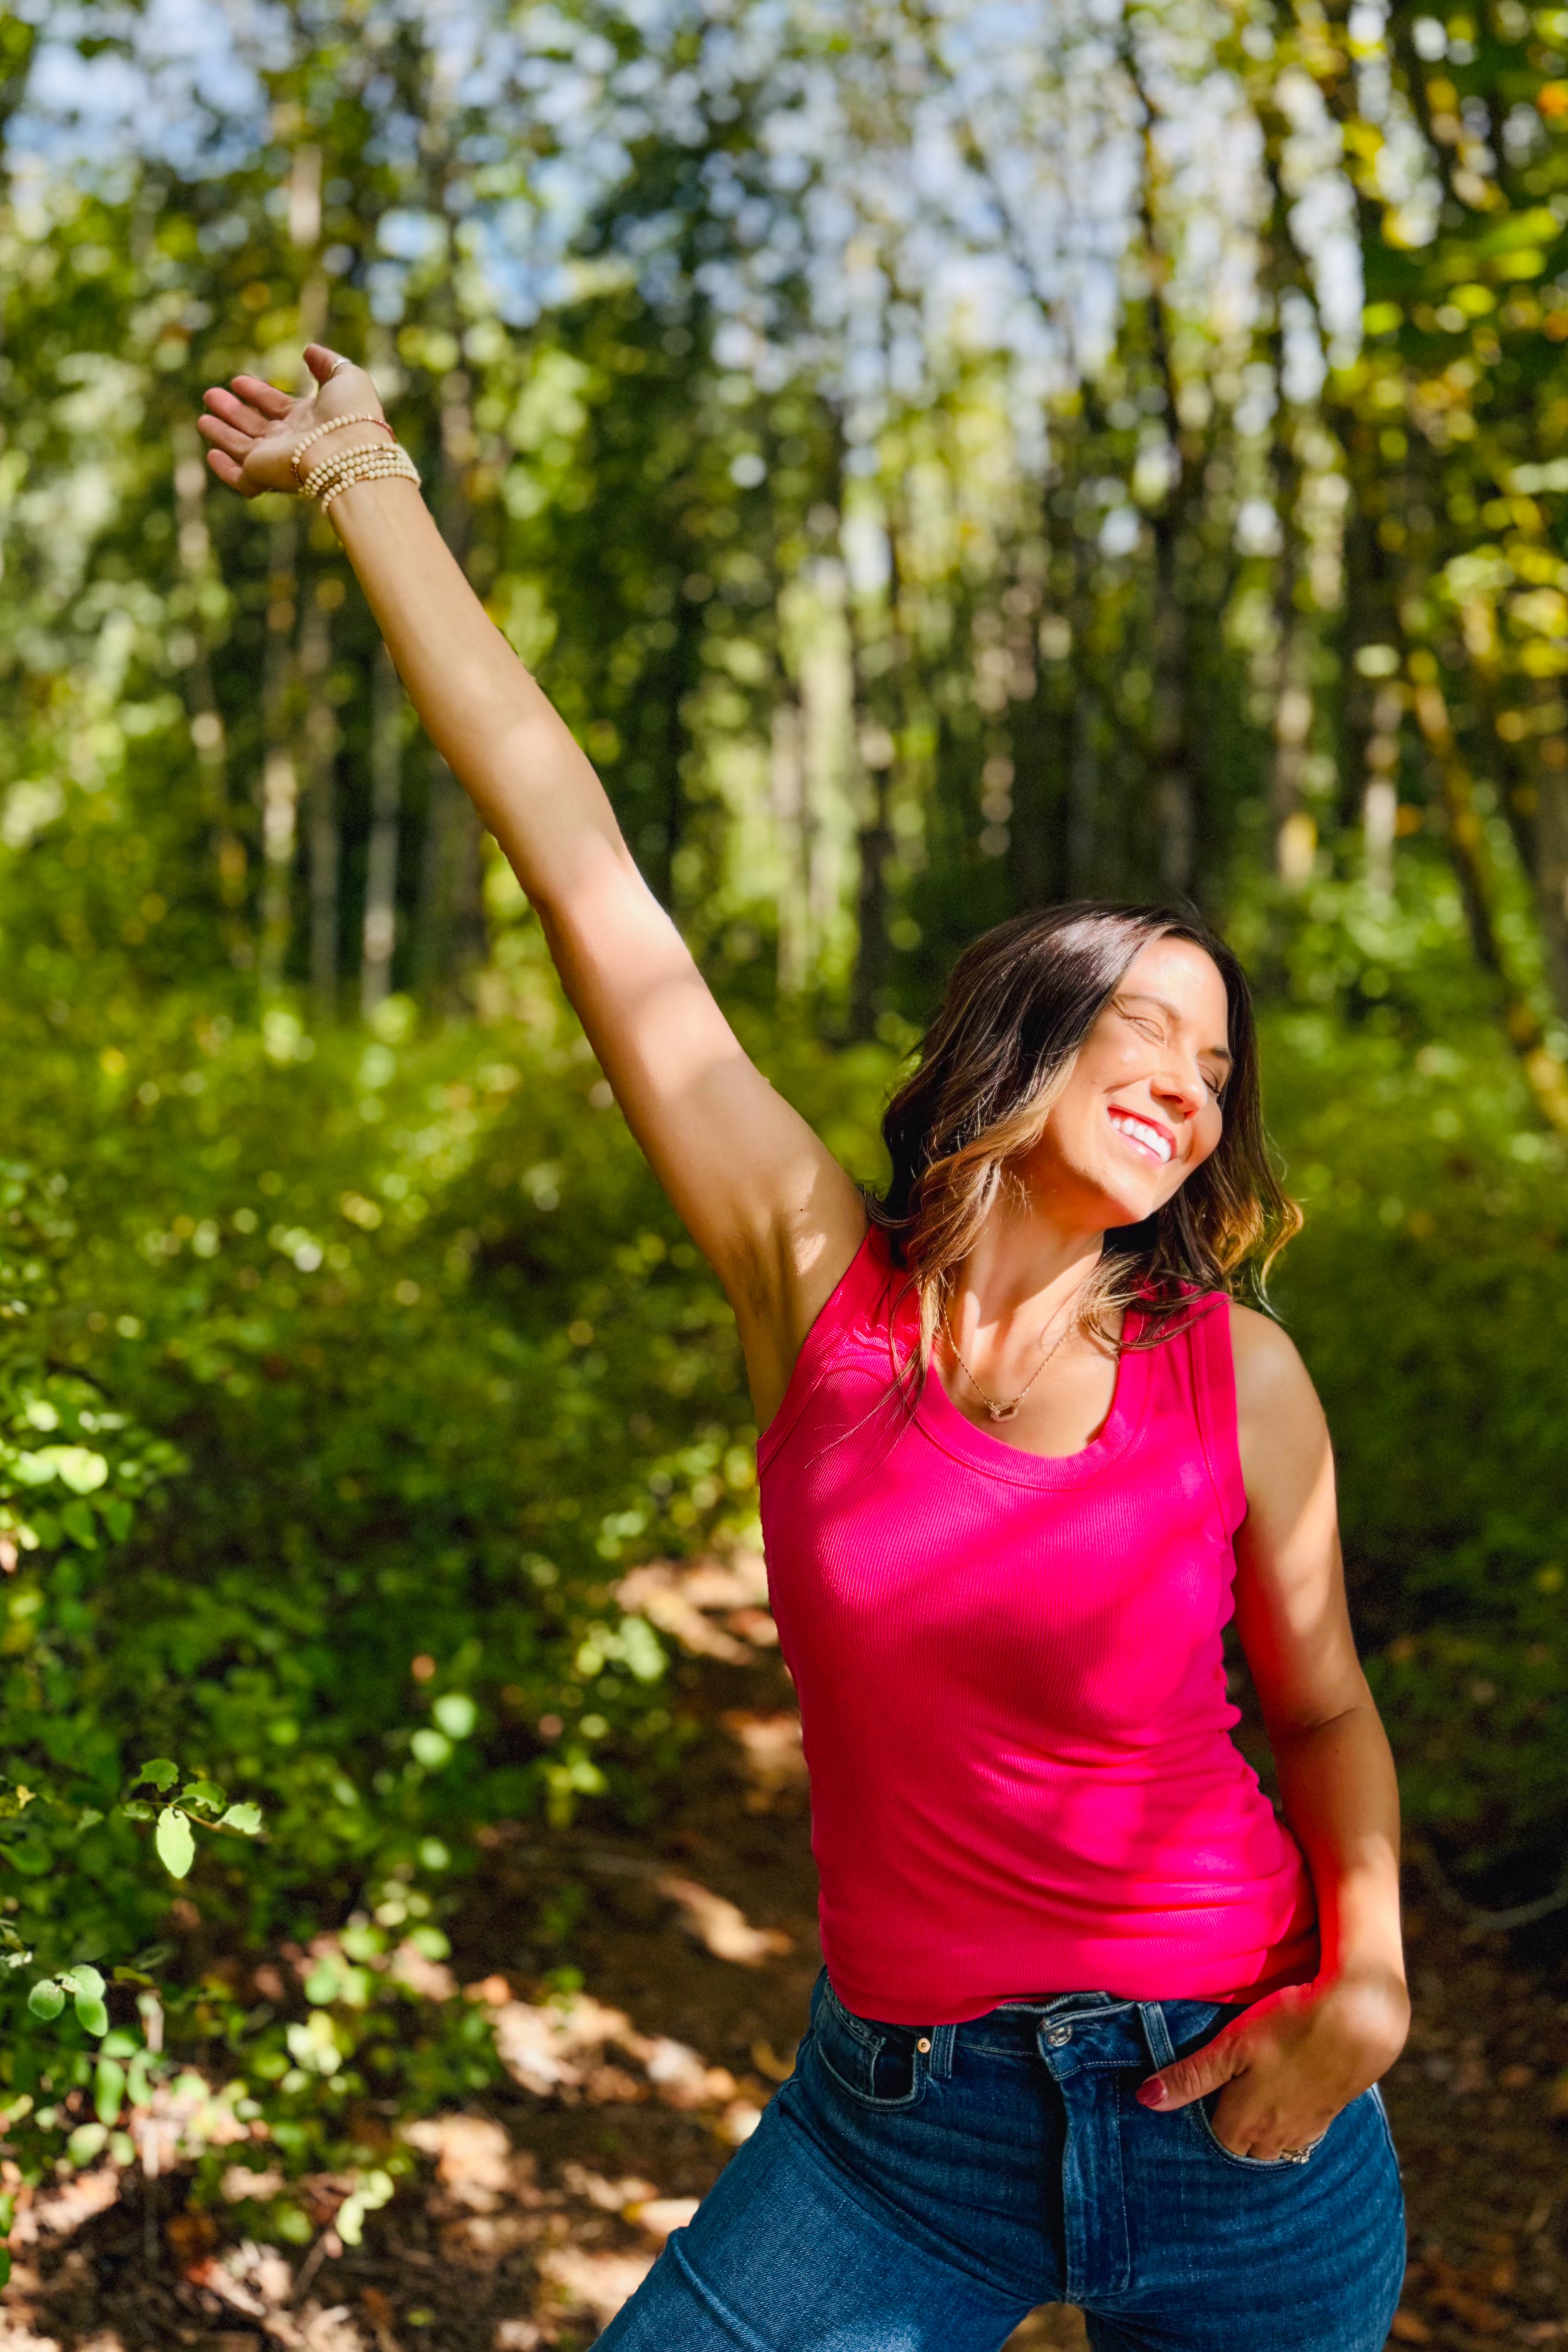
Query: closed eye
(1141, 1022)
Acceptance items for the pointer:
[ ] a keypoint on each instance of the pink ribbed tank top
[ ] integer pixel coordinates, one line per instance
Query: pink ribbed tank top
(1012, 1687)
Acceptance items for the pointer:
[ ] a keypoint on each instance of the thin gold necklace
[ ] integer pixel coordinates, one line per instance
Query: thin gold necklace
(1009, 1411)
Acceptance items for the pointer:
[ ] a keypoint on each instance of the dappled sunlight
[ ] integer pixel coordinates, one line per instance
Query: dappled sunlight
(556, 2050)
(714, 1609)
(771, 1751)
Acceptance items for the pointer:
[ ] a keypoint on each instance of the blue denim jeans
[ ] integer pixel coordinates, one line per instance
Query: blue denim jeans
(912, 2191)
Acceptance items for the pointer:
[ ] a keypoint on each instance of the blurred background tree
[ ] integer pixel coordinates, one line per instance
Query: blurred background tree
(939, 459)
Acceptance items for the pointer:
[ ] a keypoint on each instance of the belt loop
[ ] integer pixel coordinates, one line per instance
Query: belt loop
(942, 2041)
(1156, 2033)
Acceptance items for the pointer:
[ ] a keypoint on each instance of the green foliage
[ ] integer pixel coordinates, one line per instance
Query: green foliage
(343, 1372)
(1429, 1295)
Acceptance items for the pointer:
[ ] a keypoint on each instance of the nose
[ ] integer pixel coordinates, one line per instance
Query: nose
(1180, 1089)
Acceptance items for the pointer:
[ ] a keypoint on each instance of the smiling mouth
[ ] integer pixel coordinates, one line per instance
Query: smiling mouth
(1151, 1141)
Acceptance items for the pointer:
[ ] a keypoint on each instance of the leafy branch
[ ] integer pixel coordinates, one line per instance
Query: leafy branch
(200, 1801)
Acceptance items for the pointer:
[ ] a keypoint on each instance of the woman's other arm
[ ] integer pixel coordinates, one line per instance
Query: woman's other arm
(767, 1204)
(1294, 2059)
(1336, 1769)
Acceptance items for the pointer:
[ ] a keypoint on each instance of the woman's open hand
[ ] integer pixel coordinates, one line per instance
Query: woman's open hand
(1285, 2067)
(252, 429)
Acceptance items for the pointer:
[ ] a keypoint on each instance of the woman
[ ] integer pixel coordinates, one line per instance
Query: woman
(1096, 2025)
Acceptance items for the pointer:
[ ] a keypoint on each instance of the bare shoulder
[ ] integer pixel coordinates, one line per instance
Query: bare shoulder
(1280, 1429)
(1268, 1367)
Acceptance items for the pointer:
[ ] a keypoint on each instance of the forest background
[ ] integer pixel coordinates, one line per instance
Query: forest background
(940, 458)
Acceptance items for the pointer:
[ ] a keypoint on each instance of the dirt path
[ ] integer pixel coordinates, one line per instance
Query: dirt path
(544, 2206)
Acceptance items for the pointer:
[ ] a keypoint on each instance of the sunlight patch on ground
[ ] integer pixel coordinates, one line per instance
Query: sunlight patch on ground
(686, 1600)
(771, 1752)
(596, 2282)
(722, 1926)
(556, 2049)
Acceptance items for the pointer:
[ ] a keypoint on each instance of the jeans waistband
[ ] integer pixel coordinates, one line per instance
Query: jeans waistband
(1048, 2004)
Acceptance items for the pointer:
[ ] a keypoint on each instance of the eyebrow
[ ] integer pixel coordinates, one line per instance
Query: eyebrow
(1141, 996)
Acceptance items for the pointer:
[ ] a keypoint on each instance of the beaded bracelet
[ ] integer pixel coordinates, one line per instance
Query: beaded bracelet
(360, 416)
(347, 461)
(328, 468)
(374, 466)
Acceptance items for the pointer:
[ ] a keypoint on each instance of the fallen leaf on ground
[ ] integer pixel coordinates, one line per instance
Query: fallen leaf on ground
(770, 1748)
(609, 2196)
(596, 2282)
(722, 1926)
(660, 2215)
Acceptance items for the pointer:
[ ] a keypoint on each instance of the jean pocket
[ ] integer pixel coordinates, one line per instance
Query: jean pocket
(1202, 2111)
(881, 2066)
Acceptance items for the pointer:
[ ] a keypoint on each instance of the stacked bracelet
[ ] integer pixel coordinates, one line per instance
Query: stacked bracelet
(326, 471)
(360, 416)
(393, 465)
(365, 463)
(378, 466)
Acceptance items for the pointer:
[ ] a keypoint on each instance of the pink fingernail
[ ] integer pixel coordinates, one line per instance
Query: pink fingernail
(1152, 2093)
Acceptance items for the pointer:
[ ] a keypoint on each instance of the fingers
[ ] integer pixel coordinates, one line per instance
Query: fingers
(226, 471)
(266, 397)
(320, 360)
(232, 439)
(238, 414)
(1186, 2079)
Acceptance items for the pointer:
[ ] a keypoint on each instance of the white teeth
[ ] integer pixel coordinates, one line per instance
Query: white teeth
(1150, 1137)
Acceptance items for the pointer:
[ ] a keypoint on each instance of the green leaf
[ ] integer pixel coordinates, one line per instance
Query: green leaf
(246, 1818)
(203, 1792)
(5, 2267)
(86, 2141)
(137, 1809)
(83, 1977)
(456, 1713)
(160, 1771)
(80, 1469)
(81, 1526)
(91, 2014)
(108, 2090)
(47, 2000)
(176, 1846)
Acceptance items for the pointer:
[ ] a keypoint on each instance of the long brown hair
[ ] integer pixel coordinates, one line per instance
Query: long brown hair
(1018, 1006)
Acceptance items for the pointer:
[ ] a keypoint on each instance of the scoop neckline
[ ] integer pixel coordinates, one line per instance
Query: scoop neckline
(956, 1434)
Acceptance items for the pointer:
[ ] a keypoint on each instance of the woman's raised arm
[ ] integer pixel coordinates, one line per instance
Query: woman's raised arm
(767, 1204)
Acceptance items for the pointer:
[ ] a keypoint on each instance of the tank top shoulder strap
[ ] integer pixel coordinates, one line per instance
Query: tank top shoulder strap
(860, 1312)
(1206, 1336)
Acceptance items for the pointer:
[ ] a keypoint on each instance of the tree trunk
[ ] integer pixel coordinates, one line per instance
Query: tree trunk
(321, 743)
(1550, 867)
(451, 915)
(787, 780)
(280, 782)
(207, 733)
(1174, 777)
(1472, 864)
(380, 934)
(876, 653)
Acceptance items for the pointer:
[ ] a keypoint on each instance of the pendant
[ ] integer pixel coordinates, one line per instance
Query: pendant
(1002, 1412)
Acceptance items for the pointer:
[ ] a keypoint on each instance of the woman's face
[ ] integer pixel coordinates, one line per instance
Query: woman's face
(1141, 1108)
